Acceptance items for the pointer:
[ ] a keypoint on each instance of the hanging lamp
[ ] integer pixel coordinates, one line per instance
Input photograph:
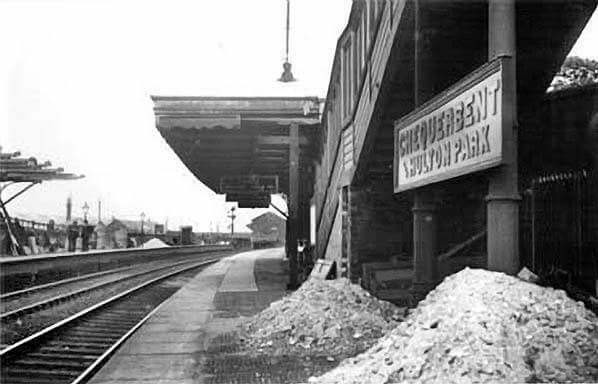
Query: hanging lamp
(287, 75)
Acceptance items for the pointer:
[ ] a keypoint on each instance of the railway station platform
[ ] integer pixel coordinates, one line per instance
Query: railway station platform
(181, 341)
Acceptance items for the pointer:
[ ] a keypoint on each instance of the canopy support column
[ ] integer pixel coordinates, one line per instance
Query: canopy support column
(424, 205)
(293, 204)
(503, 192)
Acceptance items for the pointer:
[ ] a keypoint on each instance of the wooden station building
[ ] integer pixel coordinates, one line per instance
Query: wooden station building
(434, 143)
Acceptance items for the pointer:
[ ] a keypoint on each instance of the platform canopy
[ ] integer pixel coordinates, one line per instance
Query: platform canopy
(15, 168)
(239, 146)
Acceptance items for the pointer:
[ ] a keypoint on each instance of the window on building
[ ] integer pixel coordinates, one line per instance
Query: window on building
(355, 65)
(359, 51)
(346, 83)
(373, 12)
(337, 113)
(332, 144)
(329, 130)
(364, 43)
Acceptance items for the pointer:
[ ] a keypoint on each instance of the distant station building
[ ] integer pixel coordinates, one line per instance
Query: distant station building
(436, 146)
(268, 229)
(117, 234)
(103, 238)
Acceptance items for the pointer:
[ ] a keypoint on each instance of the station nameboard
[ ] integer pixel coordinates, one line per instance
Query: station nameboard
(457, 132)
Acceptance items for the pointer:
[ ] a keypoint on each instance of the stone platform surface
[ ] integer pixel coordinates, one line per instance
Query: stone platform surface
(191, 339)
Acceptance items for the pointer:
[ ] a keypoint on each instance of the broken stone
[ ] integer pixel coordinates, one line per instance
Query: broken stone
(527, 275)
(490, 328)
(326, 317)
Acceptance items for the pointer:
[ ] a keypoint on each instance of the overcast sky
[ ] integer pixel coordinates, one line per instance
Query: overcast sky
(76, 76)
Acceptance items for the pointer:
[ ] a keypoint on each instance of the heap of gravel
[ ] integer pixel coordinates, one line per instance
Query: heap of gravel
(154, 243)
(482, 326)
(323, 317)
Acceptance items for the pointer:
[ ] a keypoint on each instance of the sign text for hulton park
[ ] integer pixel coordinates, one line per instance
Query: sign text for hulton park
(457, 132)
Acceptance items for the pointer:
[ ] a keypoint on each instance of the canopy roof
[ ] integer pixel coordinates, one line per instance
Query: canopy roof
(14, 168)
(239, 146)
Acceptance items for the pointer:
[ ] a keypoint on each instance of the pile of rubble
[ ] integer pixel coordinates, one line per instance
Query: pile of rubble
(154, 243)
(482, 326)
(332, 318)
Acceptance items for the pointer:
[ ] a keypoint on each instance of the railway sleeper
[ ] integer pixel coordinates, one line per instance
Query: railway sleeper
(103, 328)
(34, 373)
(108, 320)
(69, 356)
(82, 341)
(129, 316)
(88, 350)
(27, 380)
(94, 339)
(110, 315)
(107, 323)
(122, 313)
(47, 363)
(95, 332)
(76, 344)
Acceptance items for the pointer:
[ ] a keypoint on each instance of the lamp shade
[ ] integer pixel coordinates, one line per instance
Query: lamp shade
(287, 75)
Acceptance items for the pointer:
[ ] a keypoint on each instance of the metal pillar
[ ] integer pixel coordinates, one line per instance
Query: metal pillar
(424, 207)
(293, 203)
(503, 193)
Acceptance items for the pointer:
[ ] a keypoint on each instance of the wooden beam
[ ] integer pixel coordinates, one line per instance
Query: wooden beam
(271, 151)
(280, 140)
(293, 203)
(285, 121)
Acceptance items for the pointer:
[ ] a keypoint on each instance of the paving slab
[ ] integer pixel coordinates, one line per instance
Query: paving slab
(155, 366)
(237, 278)
(150, 381)
(151, 336)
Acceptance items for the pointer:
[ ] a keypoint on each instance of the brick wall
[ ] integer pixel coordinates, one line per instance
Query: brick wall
(381, 225)
(461, 209)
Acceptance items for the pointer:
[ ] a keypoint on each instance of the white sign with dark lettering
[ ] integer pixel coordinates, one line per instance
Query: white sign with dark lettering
(457, 132)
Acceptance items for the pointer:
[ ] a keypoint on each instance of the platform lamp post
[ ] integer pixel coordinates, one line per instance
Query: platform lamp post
(142, 219)
(85, 211)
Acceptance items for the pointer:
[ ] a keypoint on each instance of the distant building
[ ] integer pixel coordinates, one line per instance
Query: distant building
(117, 232)
(186, 235)
(102, 236)
(134, 226)
(268, 228)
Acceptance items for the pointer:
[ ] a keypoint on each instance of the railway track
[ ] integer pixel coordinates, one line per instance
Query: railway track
(71, 350)
(15, 297)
